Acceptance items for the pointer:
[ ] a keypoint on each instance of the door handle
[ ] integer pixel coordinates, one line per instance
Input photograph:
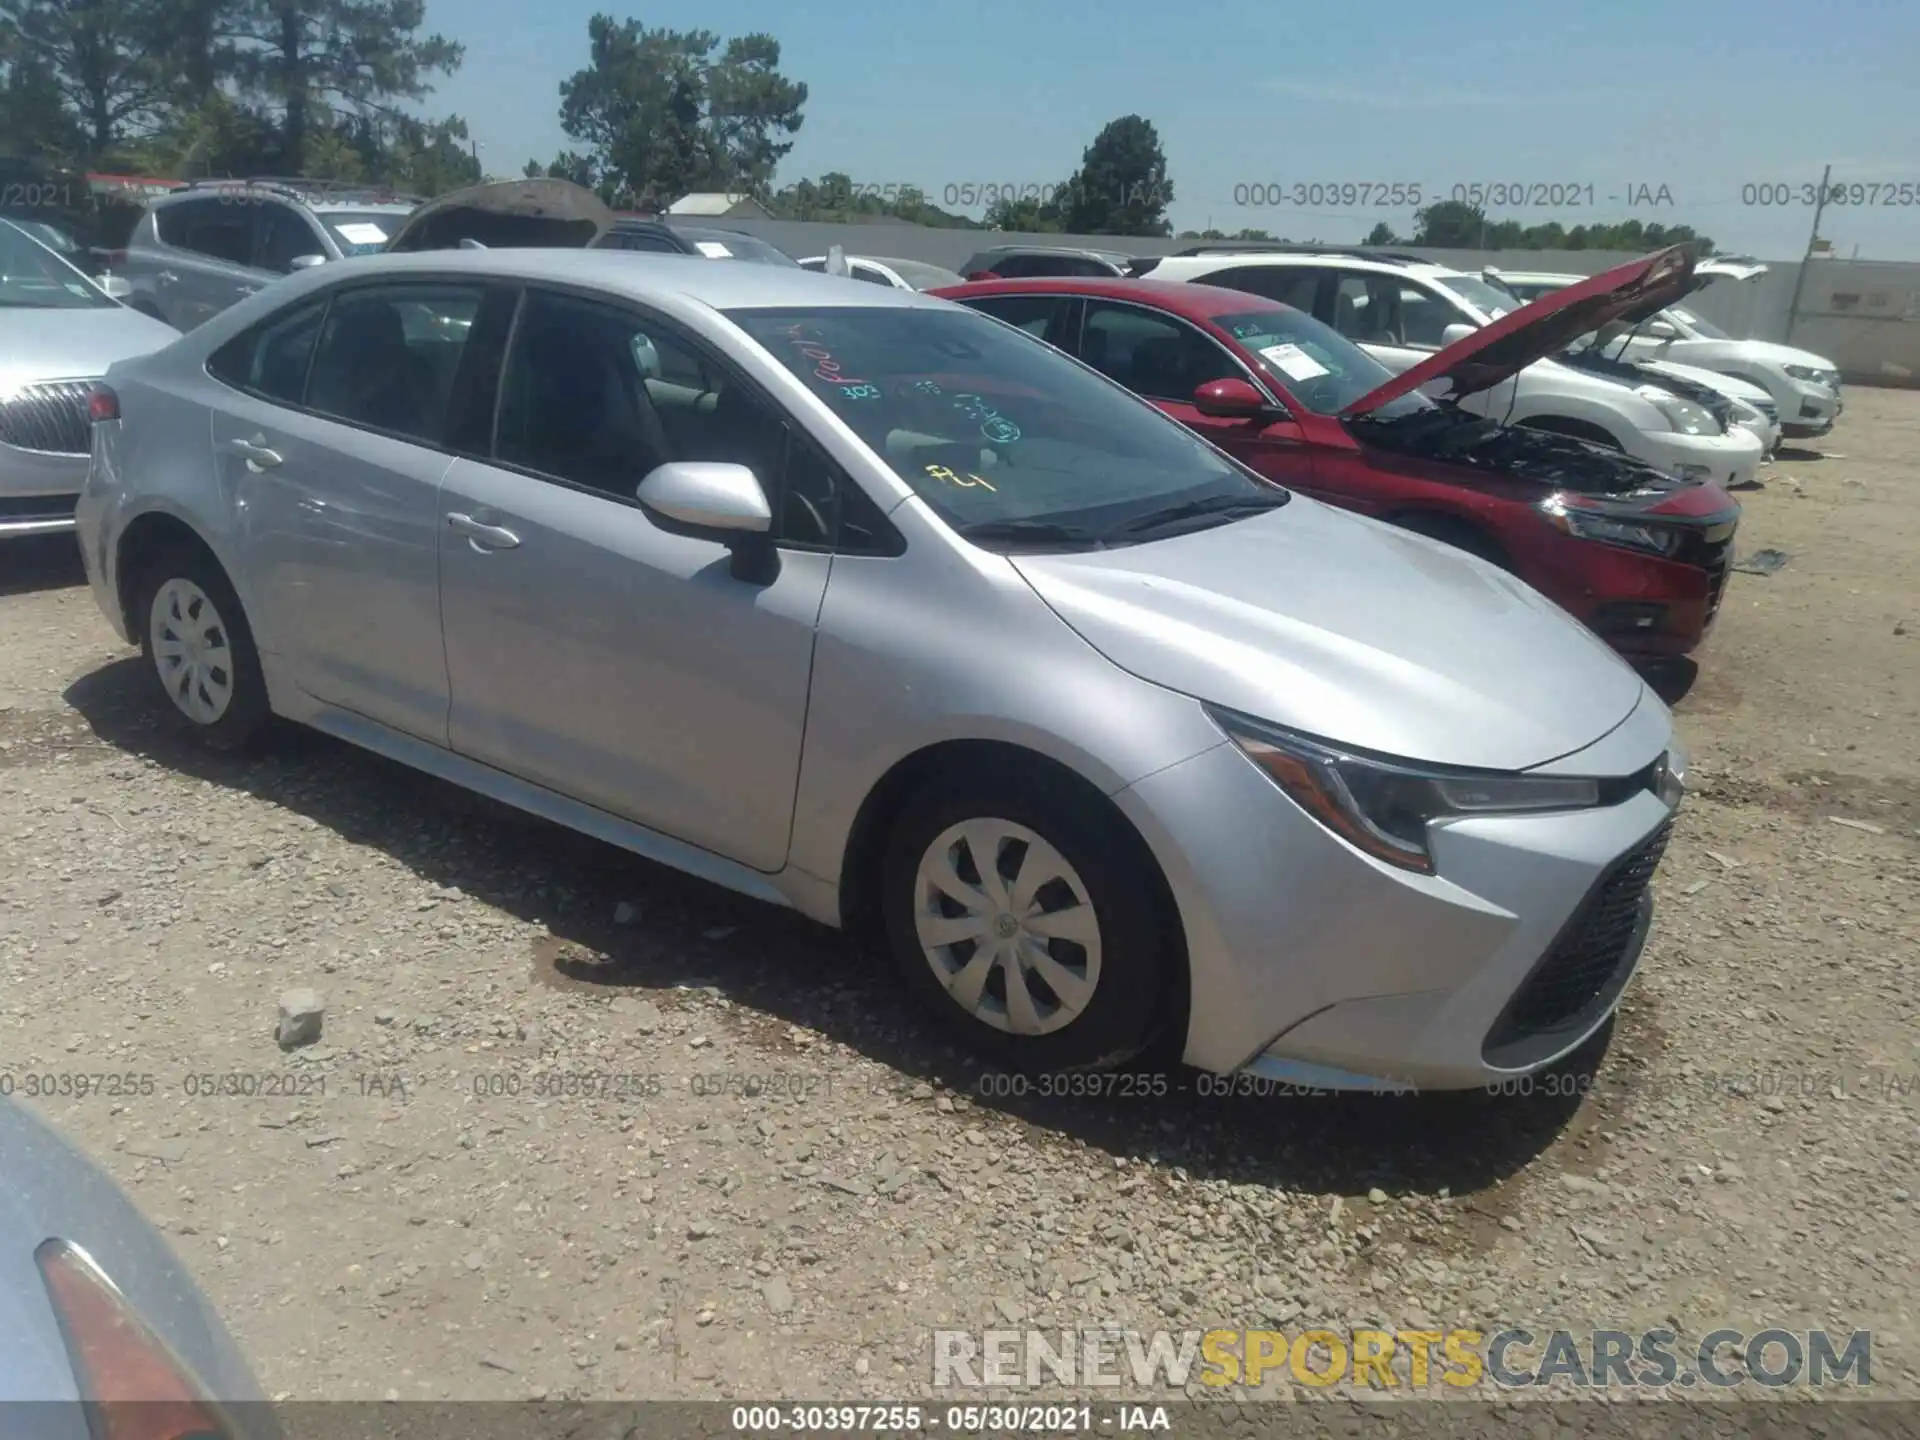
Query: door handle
(258, 454)
(483, 536)
(166, 277)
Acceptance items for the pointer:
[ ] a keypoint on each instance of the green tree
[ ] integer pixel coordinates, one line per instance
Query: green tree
(660, 114)
(91, 65)
(34, 124)
(1450, 224)
(1121, 187)
(1029, 216)
(313, 62)
(1381, 234)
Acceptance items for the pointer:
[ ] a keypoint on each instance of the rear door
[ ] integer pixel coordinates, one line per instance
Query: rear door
(1165, 359)
(212, 241)
(333, 443)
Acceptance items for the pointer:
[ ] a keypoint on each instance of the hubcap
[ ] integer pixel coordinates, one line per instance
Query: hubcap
(1007, 925)
(191, 651)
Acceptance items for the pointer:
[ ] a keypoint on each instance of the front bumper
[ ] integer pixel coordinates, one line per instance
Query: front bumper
(1731, 459)
(1810, 411)
(38, 490)
(1643, 605)
(1314, 963)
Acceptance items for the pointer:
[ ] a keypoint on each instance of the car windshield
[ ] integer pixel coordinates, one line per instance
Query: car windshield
(991, 428)
(1314, 363)
(32, 277)
(1699, 328)
(358, 233)
(1490, 301)
(732, 245)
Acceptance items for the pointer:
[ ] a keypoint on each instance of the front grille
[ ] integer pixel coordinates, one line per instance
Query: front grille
(51, 417)
(1712, 550)
(1584, 964)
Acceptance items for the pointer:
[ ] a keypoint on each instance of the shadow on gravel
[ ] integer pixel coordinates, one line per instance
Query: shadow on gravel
(40, 562)
(682, 933)
(1797, 454)
(1672, 678)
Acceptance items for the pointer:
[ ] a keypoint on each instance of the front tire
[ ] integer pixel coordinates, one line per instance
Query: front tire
(1026, 920)
(199, 650)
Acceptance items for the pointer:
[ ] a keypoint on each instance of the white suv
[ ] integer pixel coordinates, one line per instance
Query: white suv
(1400, 309)
(1804, 387)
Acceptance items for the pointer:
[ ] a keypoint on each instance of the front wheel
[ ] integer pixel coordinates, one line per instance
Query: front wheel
(199, 649)
(1027, 920)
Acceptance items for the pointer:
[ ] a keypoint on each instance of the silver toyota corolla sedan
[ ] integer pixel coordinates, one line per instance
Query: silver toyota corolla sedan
(58, 333)
(862, 603)
(102, 1331)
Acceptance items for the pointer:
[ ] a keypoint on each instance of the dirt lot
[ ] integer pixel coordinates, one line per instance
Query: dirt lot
(780, 1183)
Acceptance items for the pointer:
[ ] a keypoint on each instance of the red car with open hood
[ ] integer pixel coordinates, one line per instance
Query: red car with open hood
(1638, 555)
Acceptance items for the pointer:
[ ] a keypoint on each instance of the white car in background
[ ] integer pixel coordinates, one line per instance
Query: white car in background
(1739, 402)
(896, 274)
(1804, 387)
(1401, 309)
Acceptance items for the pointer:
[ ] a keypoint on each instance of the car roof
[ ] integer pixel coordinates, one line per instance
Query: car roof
(1195, 302)
(640, 275)
(1322, 259)
(1056, 250)
(371, 207)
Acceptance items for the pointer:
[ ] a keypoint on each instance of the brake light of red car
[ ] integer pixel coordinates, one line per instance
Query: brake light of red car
(102, 404)
(133, 1387)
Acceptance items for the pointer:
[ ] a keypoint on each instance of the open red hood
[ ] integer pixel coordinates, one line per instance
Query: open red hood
(1500, 350)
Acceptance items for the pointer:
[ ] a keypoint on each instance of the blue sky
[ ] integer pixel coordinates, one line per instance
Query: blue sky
(1702, 99)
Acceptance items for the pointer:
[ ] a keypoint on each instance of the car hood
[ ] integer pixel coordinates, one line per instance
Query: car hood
(1351, 630)
(74, 344)
(1504, 347)
(508, 215)
(53, 1191)
(1729, 385)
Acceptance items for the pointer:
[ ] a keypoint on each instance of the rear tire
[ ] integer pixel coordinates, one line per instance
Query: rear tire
(1026, 921)
(199, 649)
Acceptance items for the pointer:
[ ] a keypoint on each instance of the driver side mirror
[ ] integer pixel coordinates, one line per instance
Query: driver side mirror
(1231, 400)
(307, 262)
(1455, 333)
(715, 501)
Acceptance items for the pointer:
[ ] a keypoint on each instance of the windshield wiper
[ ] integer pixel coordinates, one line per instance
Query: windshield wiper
(1207, 506)
(1039, 532)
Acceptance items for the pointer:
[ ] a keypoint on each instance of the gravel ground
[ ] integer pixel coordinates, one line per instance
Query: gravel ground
(579, 1127)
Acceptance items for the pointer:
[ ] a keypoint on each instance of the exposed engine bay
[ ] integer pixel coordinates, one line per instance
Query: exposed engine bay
(1591, 359)
(1555, 462)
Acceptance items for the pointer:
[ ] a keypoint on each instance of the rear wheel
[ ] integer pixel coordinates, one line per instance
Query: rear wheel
(1026, 920)
(199, 648)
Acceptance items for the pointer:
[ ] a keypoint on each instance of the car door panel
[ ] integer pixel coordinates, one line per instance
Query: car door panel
(342, 539)
(626, 667)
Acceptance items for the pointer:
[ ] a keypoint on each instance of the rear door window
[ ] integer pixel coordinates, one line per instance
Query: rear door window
(1045, 317)
(1152, 354)
(271, 359)
(388, 355)
(212, 227)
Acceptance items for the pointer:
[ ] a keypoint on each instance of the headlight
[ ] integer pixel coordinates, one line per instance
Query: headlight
(1384, 807)
(1814, 375)
(1585, 524)
(1685, 416)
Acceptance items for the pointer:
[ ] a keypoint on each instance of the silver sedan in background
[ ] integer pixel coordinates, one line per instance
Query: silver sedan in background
(59, 331)
(862, 603)
(95, 1310)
